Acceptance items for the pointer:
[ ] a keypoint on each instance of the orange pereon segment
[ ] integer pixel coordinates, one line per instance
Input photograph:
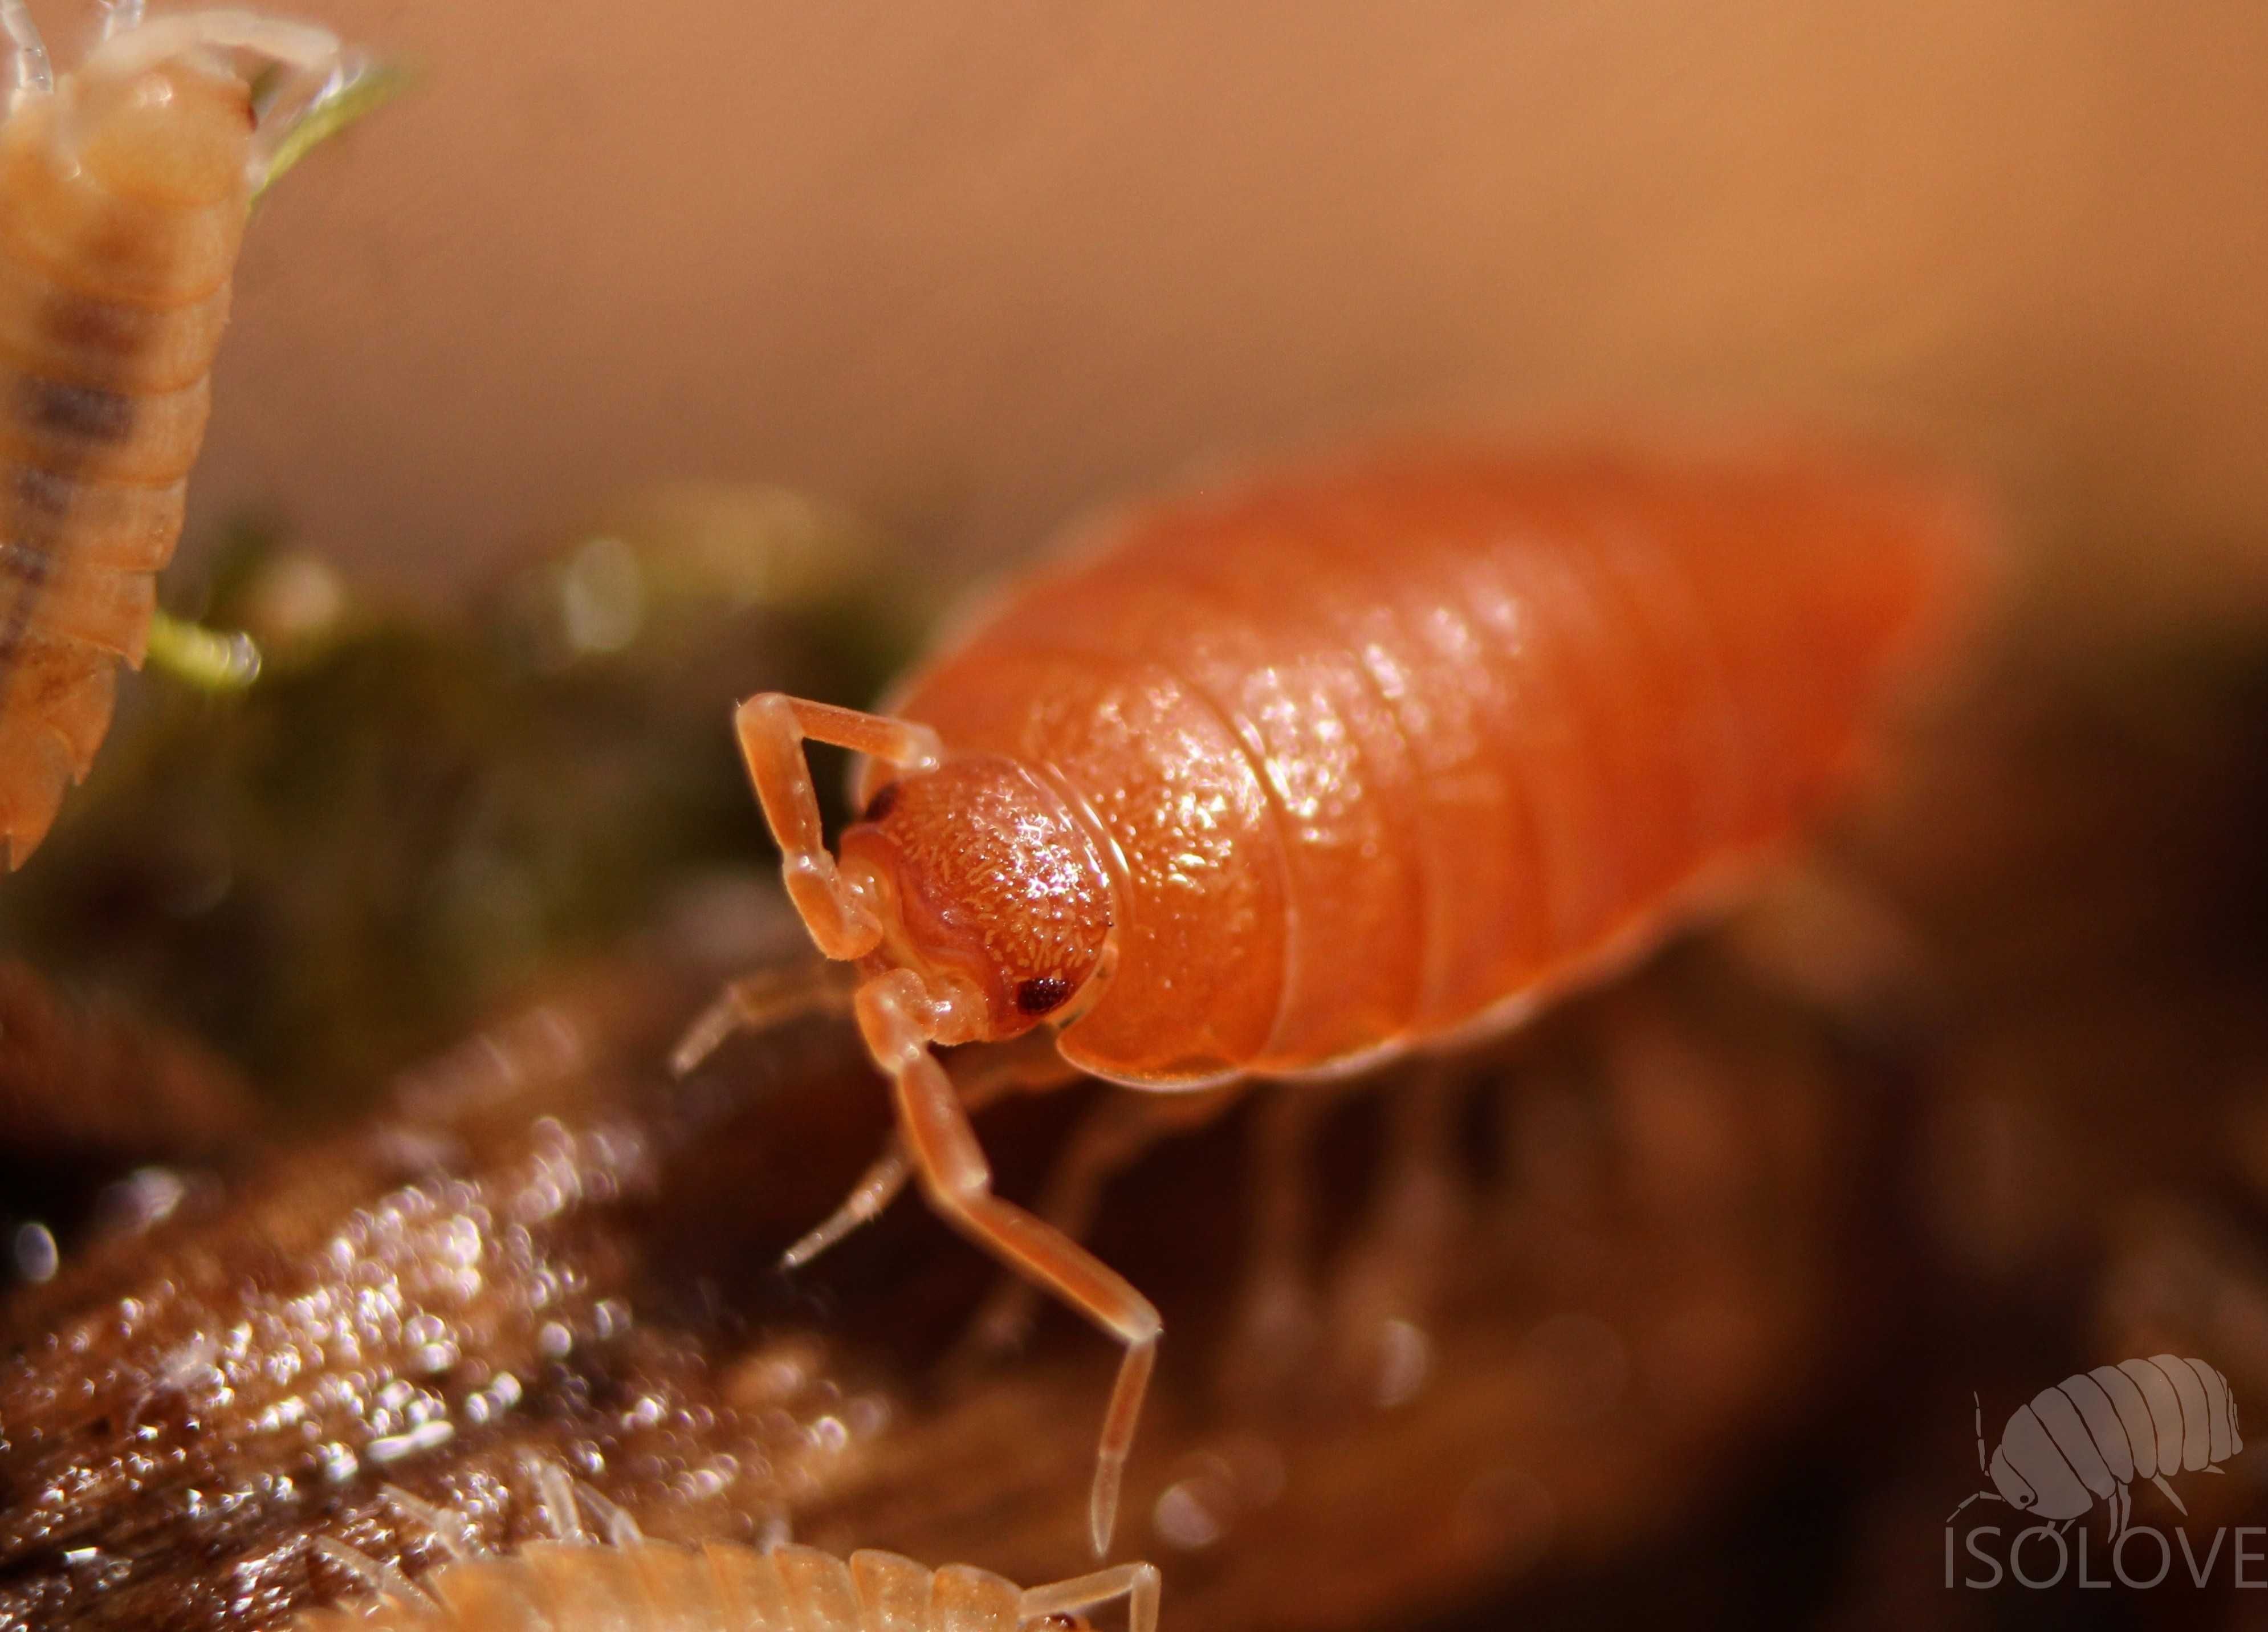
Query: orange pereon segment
(1378, 749)
(583, 1587)
(123, 200)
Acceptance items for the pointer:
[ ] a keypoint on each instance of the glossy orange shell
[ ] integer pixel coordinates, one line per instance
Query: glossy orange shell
(122, 208)
(1383, 751)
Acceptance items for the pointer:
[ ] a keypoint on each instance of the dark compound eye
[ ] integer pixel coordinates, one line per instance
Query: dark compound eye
(1041, 995)
(885, 801)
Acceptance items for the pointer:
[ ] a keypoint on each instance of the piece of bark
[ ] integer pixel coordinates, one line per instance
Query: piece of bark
(545, 1248)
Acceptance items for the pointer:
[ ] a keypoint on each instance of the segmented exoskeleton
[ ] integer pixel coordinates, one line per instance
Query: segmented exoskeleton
(2095, 1434)
(1282, 778)
(124, 188)
(624, 1582)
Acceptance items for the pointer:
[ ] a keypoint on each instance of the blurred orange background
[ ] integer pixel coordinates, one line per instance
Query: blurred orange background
(971, 267)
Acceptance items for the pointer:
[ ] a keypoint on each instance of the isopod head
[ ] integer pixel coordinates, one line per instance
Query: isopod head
(175, 133)
(2011, 1484)
(2031, 1475)
(987, 888)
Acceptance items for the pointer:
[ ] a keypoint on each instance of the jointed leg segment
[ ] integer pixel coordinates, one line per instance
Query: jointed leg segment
(957, 1181)
(1276, 1317)
(898, 1020)
(1029, 1063)
(766, 998)
(1137, 1583)
(1115, 1136)
(1397, 1262)
(773, 728)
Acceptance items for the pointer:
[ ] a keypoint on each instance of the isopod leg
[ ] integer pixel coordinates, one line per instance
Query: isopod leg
(1114, 1137)
(957, 1180)
(1029, 1064)
(1980, 1496)
(379, 1577)
(877, 1187)
(1137, 1583)
(34, 76)
(118, 15)
(773, 728)
(1393, 1273)
(756, 1002)
(1275, 1320)
(446, 1528)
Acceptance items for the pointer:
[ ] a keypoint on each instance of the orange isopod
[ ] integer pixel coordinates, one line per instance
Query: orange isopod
(621, 1581)
(124, 188)
(1281, 777)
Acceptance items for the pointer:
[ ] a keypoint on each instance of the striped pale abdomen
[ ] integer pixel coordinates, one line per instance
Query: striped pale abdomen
(122, 208)
(579, 1587)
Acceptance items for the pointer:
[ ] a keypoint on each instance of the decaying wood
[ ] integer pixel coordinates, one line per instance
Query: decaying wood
(544, 1246)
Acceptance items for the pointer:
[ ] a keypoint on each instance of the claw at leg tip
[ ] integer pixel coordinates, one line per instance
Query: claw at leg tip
(1142, 1613)
(811, 1245)
(1102, 1508)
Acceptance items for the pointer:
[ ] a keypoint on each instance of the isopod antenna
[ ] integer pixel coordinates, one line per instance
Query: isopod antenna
(1983, 1467)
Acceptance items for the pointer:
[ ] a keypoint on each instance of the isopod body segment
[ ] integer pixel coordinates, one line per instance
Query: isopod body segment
(1370, 755)
(2091, 1437)
(1284, 776)
(123, 189)
(627, 1583)
(656, 1586)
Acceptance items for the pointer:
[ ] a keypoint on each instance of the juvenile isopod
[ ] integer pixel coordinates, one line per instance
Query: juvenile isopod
(2093, 1434)
(625, 1583)
(124, 188)
(1282, 778)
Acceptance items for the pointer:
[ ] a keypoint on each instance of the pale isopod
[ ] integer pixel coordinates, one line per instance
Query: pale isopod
(1283, 778)
(625, 1583)
(124, 188)
(2093, 1434)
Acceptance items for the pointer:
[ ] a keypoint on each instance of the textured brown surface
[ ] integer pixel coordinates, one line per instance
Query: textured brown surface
(543, 1248)
(974, 267)
(1705, 1349)
(182, 1397)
